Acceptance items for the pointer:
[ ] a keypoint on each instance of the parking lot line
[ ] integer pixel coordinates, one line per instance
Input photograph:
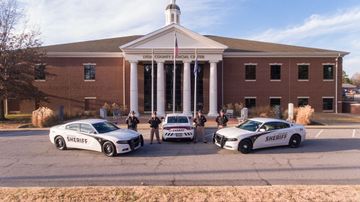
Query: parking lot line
(319, 133)
(354, 133)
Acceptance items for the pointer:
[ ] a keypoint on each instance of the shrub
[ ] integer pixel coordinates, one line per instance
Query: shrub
(237, 108)
(263, 111)
(44, 117)
(304, 114)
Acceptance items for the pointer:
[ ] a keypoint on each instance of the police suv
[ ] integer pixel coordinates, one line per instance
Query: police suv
(97, 135)
(260, 133)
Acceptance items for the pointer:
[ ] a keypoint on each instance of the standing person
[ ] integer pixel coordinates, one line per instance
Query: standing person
(199, 121)
(154, 125)
(222, 120)
(132, 121)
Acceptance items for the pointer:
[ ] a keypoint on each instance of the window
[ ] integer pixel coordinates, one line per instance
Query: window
(328, 104)
(328, 72)
(250, 72)
(40, 72)
(89, 72)
(303, 101)
(90, 104)
(275, 73)
(74, 127)
(275, 102)
(275, 126)
(250, 102)
(303, 72)
(86, 128)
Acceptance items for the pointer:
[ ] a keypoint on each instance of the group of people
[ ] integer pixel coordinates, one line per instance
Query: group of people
(199, 122)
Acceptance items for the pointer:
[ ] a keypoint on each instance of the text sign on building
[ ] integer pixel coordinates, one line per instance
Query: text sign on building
(171, 57)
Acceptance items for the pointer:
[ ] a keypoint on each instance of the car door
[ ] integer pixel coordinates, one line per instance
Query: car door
(277, 134)
(71, 133)
(284, 133)
(264, 136)
(88, 134)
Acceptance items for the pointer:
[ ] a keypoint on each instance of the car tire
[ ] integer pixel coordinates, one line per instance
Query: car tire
(109, 149)
(295, 141)
(245, 146)
(60, 143)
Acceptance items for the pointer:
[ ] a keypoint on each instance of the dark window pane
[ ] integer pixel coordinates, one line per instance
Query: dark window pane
(250, 103)
(328, 104)
(275, 102)
(303, 72)
(328, 72)
(250, 72)
(303, 102)
(90, 104)
(89, 72)
(275, 72)
(40, 72)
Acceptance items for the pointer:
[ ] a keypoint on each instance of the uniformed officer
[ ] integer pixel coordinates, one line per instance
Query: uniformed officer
(132, 121)
(222, 120)
(154, 125)
(199, 121)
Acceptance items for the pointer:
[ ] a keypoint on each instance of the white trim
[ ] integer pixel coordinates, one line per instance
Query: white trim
(274, 97)
(328, 80)
(250, 80)
(40, 80)
(89, 80)
(299, 64)
(275, 64)
(249, 97)
(275, 80)
(303, 80)
(328, 54)
(89, 64)
(89, 98)
(248, 64)
(323, 64)
(303, 97)
(328, 97)
(85, 54)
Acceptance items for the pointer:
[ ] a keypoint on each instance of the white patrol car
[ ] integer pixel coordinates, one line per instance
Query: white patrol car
(260, 133)
(97, 135)
(177, 127)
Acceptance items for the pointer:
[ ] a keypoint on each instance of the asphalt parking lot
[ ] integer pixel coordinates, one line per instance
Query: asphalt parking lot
(328, 156)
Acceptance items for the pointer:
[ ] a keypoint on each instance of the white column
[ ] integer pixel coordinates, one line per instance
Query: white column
(134, 94)
(187, 89)
(160, 89)
(6, 107)
(213, 90)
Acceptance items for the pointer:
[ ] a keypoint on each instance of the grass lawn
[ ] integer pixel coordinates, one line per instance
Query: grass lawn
(336, 119)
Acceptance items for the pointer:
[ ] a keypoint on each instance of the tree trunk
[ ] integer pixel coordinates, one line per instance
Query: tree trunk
(2, 110)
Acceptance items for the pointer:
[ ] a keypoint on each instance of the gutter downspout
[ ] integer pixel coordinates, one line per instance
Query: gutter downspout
(124, 82)
(336, 83)
(222, 82)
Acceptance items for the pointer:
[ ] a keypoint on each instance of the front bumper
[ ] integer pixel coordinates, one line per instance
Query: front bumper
(222, 142)
(132, 145)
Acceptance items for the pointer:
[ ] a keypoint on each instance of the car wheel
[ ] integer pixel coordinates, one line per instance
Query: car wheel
(295, 141)
(245, 146)
(60, 143)
(109, 149)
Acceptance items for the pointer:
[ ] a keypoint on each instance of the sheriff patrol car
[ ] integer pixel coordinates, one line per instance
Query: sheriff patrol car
(97, 135)
(260, 133)
(177, 127)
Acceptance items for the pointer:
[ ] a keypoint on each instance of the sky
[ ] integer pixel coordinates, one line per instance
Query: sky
(328, 24)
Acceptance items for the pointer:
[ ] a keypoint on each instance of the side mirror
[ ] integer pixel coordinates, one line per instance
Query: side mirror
(262, 130)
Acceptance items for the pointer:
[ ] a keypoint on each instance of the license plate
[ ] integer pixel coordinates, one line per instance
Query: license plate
(178, 135)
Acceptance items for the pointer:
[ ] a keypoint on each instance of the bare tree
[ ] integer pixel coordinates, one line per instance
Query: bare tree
(20, 52)
(356, 79)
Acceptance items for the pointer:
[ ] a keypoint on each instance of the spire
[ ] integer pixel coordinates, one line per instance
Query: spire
(172, 13)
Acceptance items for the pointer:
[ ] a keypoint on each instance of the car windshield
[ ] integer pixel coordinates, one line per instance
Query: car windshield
(105, 127)
(178, 119)
(250, 125)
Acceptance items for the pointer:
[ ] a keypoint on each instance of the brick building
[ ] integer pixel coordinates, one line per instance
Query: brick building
(83, 76)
